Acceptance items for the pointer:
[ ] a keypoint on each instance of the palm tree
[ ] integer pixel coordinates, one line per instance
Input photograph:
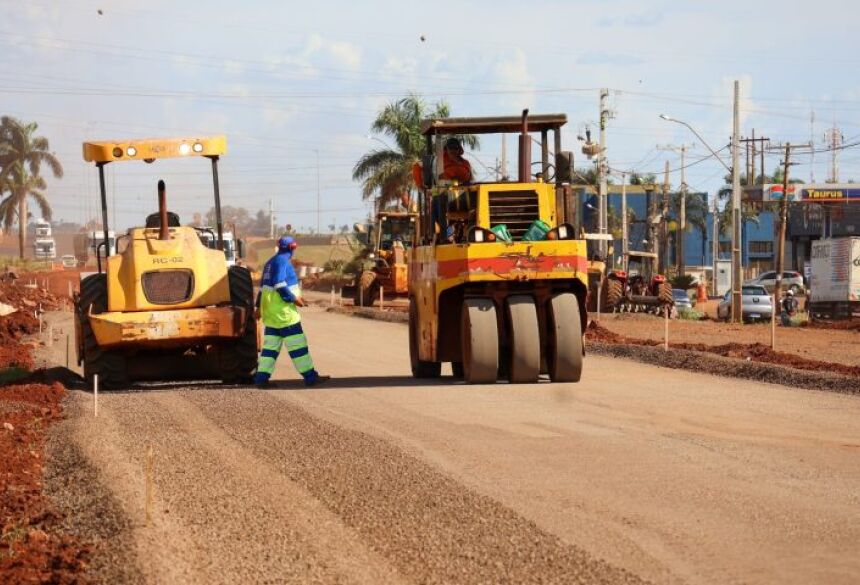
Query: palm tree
(21, 157)
(388, 171)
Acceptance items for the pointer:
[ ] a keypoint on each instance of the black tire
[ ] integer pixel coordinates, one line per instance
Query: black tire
(238, 358)
(367, 289)
(524, 336)
(611, 295)
(420, 368)
(479, 337)
(110, 366)
(565, 334)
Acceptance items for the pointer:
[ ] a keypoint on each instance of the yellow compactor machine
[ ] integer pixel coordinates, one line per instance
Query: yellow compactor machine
(497, 279)
(165, 306)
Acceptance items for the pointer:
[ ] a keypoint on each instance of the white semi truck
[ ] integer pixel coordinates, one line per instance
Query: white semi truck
(834, 291)
(44, 246)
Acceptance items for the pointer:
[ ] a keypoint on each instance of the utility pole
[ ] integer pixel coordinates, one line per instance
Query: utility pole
(715, 247)
(682, 204)
(737, 268)
(783, 214)
(605, 115)
(811, 140)
(625, 238)
(663, 258)
(271, 220)
(751, 142)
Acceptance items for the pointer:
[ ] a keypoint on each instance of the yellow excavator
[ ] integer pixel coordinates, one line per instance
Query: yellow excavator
(165, 306)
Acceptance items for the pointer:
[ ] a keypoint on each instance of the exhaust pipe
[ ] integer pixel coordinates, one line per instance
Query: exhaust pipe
(525, 150)
(162, 211)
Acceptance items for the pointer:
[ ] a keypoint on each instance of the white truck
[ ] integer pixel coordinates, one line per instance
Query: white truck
(44, 246)
(210, 240)
(834, 291)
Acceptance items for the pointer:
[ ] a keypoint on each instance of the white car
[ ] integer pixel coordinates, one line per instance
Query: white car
(69, 261)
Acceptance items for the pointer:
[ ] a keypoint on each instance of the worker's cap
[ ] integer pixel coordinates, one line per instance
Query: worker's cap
(286, 244)
(453, 144)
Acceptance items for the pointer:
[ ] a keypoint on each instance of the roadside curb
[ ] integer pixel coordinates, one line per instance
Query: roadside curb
(679, 359)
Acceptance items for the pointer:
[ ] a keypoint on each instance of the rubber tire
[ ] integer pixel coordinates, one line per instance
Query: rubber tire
(420, 369)
(612, 294)
(524, 334)
(238, 358)
(566, 350)
(367, 289)
(479, 338)
(109, 365)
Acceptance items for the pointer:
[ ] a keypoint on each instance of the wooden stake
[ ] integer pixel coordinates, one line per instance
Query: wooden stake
(68, 351)
(666, 331)
(381, 298)
(599, 288)
(96, 395)
(149, 492)
(331, 302)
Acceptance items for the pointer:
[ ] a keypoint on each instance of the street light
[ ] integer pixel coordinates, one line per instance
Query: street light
(737, 262)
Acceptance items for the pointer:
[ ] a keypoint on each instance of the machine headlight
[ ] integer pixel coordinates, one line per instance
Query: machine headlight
(117, 152)
(131, 151)
(562, 232)
(197, 147)
(184, 148)
(479, 235)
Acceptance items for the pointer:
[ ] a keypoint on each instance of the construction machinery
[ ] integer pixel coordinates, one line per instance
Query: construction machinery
(638, 289)
(385, 263)
(497, 278)
(166, 306)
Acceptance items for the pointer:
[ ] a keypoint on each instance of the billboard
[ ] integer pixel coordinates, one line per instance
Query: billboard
(773, 192)
(825, 193)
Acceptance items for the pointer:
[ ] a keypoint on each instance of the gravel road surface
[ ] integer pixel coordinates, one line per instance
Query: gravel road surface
(637, 474)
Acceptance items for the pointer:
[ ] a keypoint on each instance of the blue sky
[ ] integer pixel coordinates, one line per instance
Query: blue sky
(285, 80)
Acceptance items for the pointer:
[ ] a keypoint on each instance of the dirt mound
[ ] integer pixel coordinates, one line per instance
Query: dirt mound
(28, 301)
(847, 325)
(33, 548)
(757, 352)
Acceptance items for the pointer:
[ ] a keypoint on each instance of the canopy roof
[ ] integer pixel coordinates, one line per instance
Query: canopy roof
(492, 125)
(154, 148)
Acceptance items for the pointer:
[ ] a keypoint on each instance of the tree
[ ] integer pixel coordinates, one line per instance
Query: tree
(388, 171)
(22, 155)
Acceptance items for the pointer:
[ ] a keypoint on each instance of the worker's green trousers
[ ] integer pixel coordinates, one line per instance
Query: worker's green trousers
(297, 346)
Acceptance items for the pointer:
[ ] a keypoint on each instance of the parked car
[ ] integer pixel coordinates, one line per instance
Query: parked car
(69, 261)
(756, 304)
(682, 299)
(791, 280)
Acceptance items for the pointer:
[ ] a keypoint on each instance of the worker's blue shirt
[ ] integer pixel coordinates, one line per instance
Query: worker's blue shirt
(279, 290)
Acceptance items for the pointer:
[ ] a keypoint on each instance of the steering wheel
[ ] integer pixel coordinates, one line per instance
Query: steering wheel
(549, 179)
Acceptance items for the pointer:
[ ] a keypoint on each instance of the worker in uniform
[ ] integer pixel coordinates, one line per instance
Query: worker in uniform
(280, 294)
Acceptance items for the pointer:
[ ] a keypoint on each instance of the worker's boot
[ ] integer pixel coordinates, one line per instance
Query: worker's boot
(317, 380)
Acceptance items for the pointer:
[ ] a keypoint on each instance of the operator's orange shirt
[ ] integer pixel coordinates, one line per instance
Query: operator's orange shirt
(456, 170)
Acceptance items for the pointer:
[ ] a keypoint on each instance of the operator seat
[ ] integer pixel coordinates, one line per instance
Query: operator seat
(153, 220)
